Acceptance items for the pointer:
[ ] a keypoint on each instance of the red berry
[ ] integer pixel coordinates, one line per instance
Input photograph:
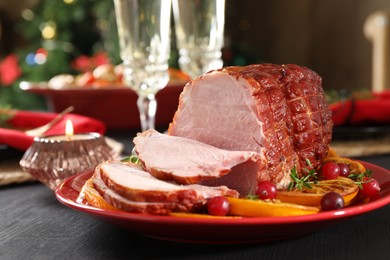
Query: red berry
(330, 170)
(370, 187)
(331, 201)
(266, 190)
(344, 169)
(218, 206)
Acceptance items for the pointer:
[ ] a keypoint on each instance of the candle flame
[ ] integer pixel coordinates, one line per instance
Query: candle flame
(69, 129)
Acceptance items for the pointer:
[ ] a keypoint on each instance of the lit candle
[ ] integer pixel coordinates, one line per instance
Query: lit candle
(69, 130)
(69, 134)
(53, 158)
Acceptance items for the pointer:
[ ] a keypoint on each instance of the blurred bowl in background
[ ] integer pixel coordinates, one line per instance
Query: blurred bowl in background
(114, 105)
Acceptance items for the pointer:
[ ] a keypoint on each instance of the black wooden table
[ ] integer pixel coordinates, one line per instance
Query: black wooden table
(34, 225)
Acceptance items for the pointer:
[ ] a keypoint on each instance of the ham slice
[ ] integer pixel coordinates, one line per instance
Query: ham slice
(276, 110)
(128, 187)
(188, 161)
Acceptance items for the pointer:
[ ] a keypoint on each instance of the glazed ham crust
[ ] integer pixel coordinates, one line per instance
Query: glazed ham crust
(277, 110)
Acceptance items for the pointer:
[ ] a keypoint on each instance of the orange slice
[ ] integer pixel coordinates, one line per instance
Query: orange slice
(355, 167)
(346, 187)
(331, 153)
(260, 208)
(196, 215)
(93, 197)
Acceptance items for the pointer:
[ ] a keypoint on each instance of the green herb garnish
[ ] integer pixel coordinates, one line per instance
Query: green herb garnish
(252, 197)
(299, 182)
(359, 177)
(132, 159)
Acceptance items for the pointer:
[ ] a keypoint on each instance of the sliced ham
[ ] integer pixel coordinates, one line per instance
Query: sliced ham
(128, 187)
(276, 110)
(188, 161)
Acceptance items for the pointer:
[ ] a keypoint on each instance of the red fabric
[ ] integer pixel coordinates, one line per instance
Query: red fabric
(27, 120)
(367, 111)
(9, 70)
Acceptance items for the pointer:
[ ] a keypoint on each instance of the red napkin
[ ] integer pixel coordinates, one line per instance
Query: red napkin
(28, 119)
(364, 111)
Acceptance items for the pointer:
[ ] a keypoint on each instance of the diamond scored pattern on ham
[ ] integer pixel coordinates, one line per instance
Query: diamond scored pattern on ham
(277, 110)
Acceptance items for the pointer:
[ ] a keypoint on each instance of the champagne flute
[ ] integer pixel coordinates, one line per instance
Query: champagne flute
(144, 39)
(199, 27)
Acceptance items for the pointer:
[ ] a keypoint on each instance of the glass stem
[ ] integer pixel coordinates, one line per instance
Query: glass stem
(147, 106)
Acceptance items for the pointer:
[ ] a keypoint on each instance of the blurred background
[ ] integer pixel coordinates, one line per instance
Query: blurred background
(324, 35)
(40, 39)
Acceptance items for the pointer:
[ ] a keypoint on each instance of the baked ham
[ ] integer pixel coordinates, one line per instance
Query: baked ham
(233, 128)
(188, 161)
(278, 111)
(128, 187)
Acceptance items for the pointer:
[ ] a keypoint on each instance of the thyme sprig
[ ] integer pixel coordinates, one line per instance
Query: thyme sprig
(359, 178)
(252, 197)
(132, 159)
(299, 182)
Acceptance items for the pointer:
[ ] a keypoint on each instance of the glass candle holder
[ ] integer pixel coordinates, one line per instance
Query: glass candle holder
(52, 159)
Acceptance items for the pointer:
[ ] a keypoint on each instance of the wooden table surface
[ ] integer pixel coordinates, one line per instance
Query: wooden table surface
(34, 225)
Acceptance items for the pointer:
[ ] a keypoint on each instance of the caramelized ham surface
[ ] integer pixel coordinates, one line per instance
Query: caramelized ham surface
(188, 161)
(128, 187)
(276, 110)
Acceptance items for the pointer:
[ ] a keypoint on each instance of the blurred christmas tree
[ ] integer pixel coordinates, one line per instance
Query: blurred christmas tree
(55, 33)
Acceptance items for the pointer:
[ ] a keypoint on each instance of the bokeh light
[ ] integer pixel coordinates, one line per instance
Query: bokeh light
(30, 59)
(37, 58)
(28, 14)
(48, 30)
(40, 58)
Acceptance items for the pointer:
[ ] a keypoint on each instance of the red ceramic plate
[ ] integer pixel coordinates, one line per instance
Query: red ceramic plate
(218, 230)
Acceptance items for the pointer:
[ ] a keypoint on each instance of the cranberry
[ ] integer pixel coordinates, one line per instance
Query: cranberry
(266, 190)
(370, 187)
(344, 169)
(218, 206)
(331, 201)
(330, 170)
